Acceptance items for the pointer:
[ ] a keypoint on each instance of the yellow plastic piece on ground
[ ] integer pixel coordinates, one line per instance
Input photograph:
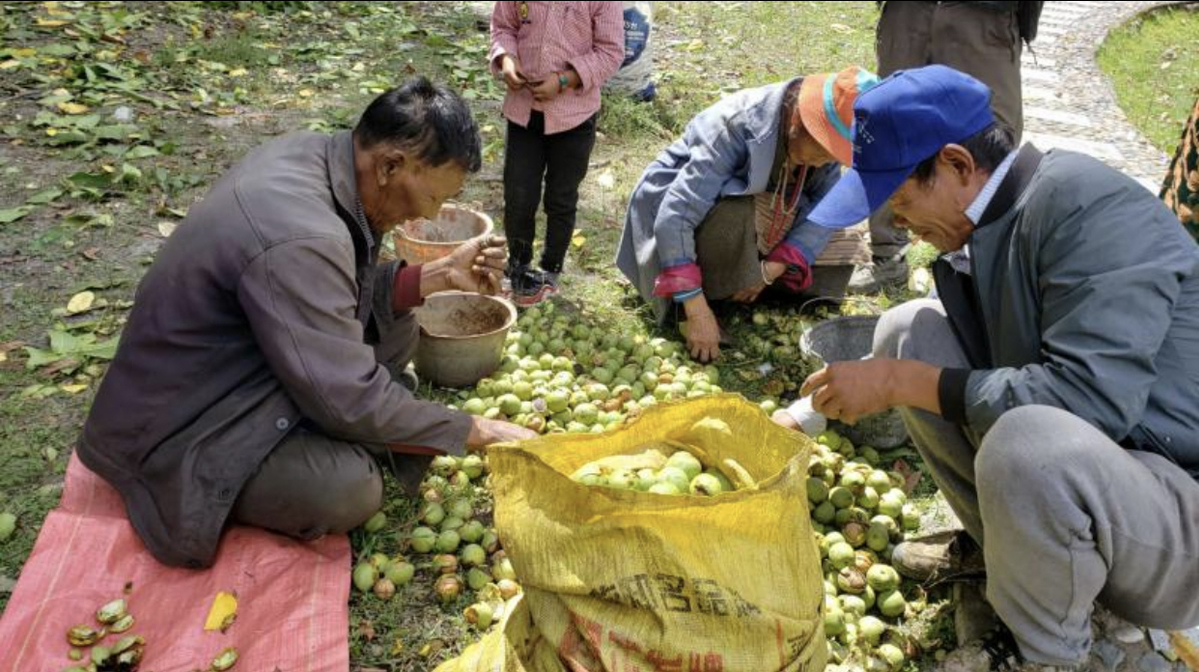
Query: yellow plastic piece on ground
(622, 580)
(223, 612)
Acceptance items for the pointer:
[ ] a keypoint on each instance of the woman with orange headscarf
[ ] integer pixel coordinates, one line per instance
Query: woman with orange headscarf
(722, 213)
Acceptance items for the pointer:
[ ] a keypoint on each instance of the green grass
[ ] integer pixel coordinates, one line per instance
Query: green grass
(1154, 64)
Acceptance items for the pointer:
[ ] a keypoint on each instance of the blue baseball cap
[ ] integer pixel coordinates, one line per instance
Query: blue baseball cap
(904, 120)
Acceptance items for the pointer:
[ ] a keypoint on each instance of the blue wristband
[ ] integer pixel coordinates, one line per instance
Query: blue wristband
(682, 296)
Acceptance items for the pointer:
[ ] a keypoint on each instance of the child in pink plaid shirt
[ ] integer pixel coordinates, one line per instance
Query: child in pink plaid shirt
(554, 57)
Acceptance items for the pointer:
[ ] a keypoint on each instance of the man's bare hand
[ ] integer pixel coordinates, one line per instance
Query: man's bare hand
(848, 390)
(475, 266)
(484, 432)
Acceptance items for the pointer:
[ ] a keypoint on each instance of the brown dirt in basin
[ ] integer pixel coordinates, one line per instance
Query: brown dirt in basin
(459, 318)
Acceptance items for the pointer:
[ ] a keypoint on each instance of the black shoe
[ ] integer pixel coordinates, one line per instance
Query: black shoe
(534, 287)
(408, 378)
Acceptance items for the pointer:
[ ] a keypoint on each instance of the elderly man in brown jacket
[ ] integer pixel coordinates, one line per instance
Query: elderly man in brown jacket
(252, 382)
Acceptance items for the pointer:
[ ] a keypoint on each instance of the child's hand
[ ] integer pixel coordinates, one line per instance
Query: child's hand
(546, 89)
(510, 70)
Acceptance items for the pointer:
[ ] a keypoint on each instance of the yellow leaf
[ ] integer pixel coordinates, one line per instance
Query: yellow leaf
(578, 240)
(52, 132)
(3, 357)
(305, 93)
(49, 23)
(165, 229)
(72, 108)
(81, 302)
(841, 28)
(695, 45)
(237, 72)
(107, 167)
(223, 612)
(25, 52)
(73, 389)
(9, 64)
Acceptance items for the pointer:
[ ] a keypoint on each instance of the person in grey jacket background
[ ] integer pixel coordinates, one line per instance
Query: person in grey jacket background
(1053, 388)
(252, 383)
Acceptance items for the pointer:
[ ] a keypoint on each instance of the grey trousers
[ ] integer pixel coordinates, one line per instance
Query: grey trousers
(312, 485)
(983, 43)
(1066, 517)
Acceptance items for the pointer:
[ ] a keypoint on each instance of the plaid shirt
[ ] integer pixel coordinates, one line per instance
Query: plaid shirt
(548, 37)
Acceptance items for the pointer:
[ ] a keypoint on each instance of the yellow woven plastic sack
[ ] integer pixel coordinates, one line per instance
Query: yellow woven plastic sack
(620, 580)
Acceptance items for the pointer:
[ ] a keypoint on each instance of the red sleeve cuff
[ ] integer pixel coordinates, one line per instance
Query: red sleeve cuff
(678, 278)
(405, 293)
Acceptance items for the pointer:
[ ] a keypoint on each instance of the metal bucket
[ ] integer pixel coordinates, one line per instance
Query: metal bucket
(852, 337)
(419, 241)
(461, 337)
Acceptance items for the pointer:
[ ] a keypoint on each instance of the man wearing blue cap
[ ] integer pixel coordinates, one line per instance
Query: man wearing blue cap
(1053, 388)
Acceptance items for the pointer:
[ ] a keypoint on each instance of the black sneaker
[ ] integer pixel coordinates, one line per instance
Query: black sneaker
(515, 276)
(534, 287)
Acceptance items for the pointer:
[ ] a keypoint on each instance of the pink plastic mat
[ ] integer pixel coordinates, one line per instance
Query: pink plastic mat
(292, 596)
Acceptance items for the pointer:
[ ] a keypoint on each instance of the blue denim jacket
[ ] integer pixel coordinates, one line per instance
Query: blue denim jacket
(726, 150)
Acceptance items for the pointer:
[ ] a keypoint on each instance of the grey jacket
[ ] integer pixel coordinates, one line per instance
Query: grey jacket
(1084, 295)
(258, 314)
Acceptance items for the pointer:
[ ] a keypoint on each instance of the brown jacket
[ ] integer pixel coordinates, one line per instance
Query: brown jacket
(258, 313)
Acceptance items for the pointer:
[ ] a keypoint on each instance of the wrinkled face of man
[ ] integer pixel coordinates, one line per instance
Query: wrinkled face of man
(409, 188)
(935, 211)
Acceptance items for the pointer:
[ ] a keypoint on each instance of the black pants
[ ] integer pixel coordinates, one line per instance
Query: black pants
(561, 159)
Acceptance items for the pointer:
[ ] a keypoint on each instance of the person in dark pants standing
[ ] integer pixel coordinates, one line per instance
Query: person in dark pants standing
(554, 57)
(981, 39)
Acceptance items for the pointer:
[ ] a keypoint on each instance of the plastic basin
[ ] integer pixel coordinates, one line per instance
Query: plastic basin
(461, 337)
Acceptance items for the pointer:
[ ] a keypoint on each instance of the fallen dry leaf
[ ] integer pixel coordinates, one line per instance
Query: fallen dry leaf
(72, 108)
(910, 476)
(165, 229)
(81, 302)
(64, 364)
